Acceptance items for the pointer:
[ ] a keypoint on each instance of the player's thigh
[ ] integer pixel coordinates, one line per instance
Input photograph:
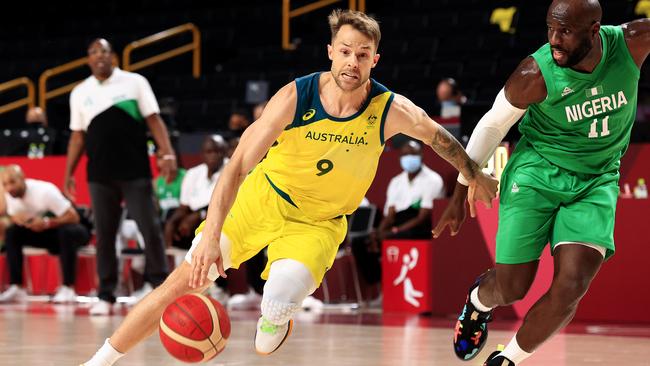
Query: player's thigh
(589, 219)
(315, 245)
(526, 212)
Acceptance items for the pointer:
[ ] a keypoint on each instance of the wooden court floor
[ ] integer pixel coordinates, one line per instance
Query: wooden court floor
(66, 335)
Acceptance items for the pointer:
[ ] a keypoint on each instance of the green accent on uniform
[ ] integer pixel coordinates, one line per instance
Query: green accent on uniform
(571, 131)
(417, 204)
(282, 194)
(130, 106)
(543, 203)
(383, 119)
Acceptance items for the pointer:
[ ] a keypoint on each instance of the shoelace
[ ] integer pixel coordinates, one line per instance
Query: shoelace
(268, 327)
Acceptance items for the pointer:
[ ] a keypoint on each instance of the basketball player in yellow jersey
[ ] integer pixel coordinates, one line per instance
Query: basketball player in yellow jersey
(324, 134)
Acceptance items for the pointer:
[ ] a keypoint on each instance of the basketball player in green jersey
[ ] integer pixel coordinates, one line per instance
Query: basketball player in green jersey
(577, 95)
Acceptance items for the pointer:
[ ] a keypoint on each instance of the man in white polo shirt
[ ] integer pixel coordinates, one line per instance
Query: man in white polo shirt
(30, 204)
(110, 113)
(196, 191)
(410, 195)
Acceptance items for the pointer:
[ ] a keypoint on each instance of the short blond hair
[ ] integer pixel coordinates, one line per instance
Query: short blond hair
(358, 20)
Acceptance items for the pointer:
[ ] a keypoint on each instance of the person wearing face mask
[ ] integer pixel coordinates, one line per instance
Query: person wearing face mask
(409, 199)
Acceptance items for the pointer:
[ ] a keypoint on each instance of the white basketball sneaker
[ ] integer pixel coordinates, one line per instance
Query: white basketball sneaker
(64, 294)
(14, 294)
(101, 308)
(269, 337)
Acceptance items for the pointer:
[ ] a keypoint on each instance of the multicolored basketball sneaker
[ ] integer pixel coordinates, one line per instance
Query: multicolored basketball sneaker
(471, 330)
(495, 360)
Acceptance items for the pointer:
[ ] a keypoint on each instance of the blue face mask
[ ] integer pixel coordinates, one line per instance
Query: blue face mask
(411, 163)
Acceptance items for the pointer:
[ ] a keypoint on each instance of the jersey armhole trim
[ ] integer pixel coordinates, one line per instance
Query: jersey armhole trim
(383, 118)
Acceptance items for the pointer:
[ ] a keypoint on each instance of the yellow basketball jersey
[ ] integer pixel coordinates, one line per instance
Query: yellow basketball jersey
(322, 164)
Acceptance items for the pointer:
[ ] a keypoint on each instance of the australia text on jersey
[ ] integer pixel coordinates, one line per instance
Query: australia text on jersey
(594, 107)
(330, 137)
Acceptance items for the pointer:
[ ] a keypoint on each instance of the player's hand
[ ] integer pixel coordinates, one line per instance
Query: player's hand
(207, 252)
(454, 214)
(70, 188)
(168, 169)
(482, 188)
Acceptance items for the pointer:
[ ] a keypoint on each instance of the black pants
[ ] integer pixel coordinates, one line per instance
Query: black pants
(63, 240)
(106, 200)
(368, 262)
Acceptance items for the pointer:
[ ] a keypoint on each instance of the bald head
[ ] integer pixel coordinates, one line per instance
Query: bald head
(13, 180)
(576, 12)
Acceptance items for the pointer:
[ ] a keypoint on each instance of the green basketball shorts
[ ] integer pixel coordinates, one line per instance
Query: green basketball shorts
(542, 203)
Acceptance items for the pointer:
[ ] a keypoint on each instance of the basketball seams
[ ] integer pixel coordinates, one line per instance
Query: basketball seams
(214, 342)
(216, 331)
(207, 337)
(184, 341)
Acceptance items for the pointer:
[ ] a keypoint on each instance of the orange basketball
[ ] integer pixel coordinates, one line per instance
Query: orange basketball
(194, 328)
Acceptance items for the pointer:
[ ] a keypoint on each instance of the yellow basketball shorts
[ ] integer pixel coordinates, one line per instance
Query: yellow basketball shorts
(261, 217)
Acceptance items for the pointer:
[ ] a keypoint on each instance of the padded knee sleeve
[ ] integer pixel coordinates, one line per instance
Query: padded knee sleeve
(289, 283)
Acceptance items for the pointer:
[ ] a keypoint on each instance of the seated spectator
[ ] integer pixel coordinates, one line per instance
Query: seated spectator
(196, 191)
(238, 122)
(450, 98)
(41, 216)
(168, 191)
(409, 199)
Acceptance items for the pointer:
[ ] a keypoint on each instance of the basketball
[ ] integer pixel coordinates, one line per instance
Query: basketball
(194, 328)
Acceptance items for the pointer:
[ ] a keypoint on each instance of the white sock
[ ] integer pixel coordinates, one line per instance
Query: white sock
(514, 353)
(105, 356)
(473, 298)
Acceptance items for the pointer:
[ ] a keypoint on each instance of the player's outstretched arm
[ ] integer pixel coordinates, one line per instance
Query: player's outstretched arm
(637, 37)
(524, 87)
(254, 143)
(407, 118)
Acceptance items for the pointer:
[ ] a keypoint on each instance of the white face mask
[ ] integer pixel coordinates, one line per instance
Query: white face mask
(411, 163)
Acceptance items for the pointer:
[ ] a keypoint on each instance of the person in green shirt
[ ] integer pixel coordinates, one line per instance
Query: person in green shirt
(168, 192)
(577, 95)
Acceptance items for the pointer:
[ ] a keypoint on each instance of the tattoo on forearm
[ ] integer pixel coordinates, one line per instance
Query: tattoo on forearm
(450, 149)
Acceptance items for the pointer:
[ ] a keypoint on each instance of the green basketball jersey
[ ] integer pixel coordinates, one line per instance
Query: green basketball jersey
(584, 123)
(169, 194)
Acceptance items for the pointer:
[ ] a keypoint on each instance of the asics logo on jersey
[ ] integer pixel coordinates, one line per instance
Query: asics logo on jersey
(567, 91)
(308, 115)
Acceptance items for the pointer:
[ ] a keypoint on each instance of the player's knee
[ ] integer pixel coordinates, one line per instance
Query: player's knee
(289, 283)
(177, 283)
(567, 291)
(511, 293)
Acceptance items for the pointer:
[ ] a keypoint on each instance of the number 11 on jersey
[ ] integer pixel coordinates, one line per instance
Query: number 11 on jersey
(593, 131)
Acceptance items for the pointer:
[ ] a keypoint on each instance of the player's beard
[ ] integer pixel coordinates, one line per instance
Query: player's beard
(337, 79)
(577, 55)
